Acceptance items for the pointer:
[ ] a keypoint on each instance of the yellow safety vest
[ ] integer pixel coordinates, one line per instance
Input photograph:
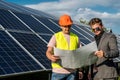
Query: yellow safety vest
(62, 43)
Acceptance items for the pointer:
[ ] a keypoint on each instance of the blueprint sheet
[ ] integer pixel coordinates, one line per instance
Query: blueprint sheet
(80, 57)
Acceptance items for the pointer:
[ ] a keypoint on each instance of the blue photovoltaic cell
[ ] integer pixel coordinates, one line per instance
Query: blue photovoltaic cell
(87, 29)
(56, 21)
(35, 46)
(77, 31)
(8, 21)
(13, 59)
(46, 37)
(49, 24)
(33, 24)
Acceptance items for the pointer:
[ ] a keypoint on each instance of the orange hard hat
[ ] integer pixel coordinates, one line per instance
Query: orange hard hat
(65, 20)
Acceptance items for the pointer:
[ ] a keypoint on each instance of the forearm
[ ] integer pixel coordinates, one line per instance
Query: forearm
(111, 54)
(49, 55)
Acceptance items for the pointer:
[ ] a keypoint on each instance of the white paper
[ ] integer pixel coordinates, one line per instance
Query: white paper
(80, 57)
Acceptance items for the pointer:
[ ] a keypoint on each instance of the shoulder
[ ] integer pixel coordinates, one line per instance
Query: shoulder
(58, 33)
(73, 34)
(109, 34)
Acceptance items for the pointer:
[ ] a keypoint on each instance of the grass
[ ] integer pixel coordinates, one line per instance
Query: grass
(119, 78)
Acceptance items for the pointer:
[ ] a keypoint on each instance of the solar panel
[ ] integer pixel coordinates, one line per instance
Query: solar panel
(11, 22)
(79, 33)
(2, 6)
(85, 28)
(84, 41)
(49, 24)
(13, 59)
(22, 9)
(82, 31)
(46, 36)
(35, 46)
(33, 23)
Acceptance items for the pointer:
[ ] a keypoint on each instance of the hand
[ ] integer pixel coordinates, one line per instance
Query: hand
(54, 58)
(99, 53)
(80, 75)
(89, 76)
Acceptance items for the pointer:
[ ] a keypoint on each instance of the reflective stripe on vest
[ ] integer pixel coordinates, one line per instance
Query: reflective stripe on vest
(62, 43)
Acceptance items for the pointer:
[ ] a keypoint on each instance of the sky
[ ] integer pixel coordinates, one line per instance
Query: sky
(107, 10)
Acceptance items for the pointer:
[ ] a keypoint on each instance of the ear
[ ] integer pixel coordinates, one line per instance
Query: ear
(102, 26)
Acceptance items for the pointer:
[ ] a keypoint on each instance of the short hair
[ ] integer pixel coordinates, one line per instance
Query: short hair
(95, 21)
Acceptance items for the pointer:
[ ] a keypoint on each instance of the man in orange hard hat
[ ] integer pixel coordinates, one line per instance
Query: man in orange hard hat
(65, 40)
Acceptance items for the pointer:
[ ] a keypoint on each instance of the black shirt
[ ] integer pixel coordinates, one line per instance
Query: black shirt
(98, 37)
